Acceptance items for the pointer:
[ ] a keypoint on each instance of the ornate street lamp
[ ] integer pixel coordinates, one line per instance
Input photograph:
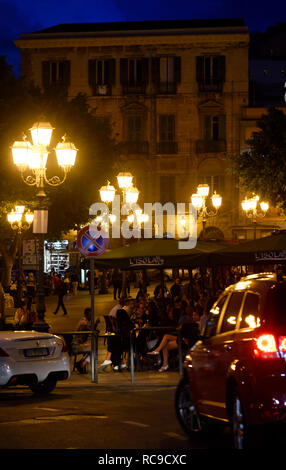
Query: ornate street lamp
(31, 160)
(250, 207)
(199, 201)
(20, 221)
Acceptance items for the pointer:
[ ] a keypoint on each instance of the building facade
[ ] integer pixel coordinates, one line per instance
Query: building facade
(173, 91)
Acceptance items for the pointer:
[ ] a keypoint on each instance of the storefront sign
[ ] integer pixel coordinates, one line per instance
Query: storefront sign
(270, 256)
(146, 261)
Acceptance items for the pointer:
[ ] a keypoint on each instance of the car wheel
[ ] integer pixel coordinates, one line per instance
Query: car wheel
(239, 428)
(43, 388)
(185, 408)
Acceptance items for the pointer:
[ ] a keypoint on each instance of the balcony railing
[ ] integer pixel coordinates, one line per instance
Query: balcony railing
(134, 147)
(101, 90)
(167, 148)
(209, 146)
(133, 89)
(210, 86)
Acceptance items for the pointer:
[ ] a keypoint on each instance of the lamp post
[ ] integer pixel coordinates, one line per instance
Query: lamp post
(20, 221)
(31, 160)
(251, 210)
(199, 201)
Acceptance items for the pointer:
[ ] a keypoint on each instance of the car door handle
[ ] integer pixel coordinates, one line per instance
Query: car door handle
(227, 347)
(206, 350)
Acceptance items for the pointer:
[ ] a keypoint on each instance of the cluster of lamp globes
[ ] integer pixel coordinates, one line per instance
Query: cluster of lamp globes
(199, 198)
(249, 205)
(26, 155)
(130, 194)
(19, 219)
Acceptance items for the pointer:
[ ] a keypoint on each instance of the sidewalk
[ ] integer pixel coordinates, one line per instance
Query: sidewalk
(108, 378)
(147, 379)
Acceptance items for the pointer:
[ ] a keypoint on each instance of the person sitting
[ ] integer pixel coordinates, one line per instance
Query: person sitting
(80, 343)
(189, 334)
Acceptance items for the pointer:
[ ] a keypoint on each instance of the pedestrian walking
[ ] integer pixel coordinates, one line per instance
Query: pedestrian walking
(60, 292)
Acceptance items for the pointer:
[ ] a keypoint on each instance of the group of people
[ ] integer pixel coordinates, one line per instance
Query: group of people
(178, 310)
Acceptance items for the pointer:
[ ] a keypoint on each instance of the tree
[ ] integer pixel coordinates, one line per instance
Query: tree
(262, 169)
(22, 104)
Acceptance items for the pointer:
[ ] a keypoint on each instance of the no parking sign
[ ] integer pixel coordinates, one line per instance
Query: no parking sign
(91, 243)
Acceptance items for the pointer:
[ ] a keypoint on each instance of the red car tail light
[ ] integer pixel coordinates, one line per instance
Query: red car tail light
(282, 344)
(266, 347)
(3, 353)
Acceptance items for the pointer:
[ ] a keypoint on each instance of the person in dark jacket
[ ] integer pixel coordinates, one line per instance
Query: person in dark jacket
(60, 292)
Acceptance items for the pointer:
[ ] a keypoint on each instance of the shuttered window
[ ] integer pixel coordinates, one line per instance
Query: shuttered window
(210, 72)
(101, 72)
(134, 74)
(167, 189)
(214, 127)
(55, 72)
(166, 73)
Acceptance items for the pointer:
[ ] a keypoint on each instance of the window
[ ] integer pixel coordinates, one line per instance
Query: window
(166, 73)
(134, 75)
(215, 183)
(249, 317)
(101, 75)
(231, 313)
(210, 72)
(134, 132)
(135, 128)
(55, 72)
(214, 127)
(167, 142)
(167, 188)
(212, 322)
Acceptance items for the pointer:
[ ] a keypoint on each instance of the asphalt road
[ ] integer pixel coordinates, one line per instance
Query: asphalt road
(95, 417)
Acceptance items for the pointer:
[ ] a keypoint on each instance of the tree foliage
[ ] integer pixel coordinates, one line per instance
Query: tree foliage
(262, 169)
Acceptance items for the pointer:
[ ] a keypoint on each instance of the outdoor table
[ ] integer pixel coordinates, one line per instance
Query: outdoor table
(94, 357)
(164, 329)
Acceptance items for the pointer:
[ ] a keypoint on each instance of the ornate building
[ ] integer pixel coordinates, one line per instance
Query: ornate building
(174, 92)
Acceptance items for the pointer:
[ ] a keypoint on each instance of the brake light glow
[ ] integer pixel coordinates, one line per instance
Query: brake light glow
(266, 347)
(282, 344)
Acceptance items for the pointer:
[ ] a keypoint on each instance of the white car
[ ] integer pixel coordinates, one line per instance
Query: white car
(31, 358)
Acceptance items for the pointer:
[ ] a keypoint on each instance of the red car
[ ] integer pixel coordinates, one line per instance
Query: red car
(236, 372)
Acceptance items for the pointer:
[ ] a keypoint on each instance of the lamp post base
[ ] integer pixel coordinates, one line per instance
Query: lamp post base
(41, 325)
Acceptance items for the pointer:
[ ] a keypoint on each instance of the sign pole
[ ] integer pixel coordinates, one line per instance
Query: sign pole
(91, 244)
(92, 319)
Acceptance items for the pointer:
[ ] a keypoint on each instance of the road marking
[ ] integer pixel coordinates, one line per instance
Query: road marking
(176, 436)
(52, 419)
(45, 409)
(134, 423)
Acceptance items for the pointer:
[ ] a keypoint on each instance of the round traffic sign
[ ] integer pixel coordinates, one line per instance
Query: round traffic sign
(91, 242)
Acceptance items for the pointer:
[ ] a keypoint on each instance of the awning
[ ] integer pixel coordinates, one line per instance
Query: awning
(157, 253)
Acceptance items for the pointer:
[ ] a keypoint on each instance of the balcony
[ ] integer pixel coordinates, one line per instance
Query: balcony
(129, 89)
(167, 148)
(101, 90)
(210, 146)
(214, 86)
(135, 147)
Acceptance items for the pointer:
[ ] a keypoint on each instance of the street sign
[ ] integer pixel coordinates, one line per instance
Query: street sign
(91, 243)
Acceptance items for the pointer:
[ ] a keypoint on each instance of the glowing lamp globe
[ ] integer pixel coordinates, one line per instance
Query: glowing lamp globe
(41, 133)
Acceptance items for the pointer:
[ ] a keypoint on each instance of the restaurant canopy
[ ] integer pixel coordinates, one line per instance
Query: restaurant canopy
(266, 250)
(157, 253)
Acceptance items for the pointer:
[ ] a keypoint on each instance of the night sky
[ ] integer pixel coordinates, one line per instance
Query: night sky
(22, 16)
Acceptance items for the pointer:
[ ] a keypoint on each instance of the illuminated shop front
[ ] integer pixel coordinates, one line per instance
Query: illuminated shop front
(57, 257)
